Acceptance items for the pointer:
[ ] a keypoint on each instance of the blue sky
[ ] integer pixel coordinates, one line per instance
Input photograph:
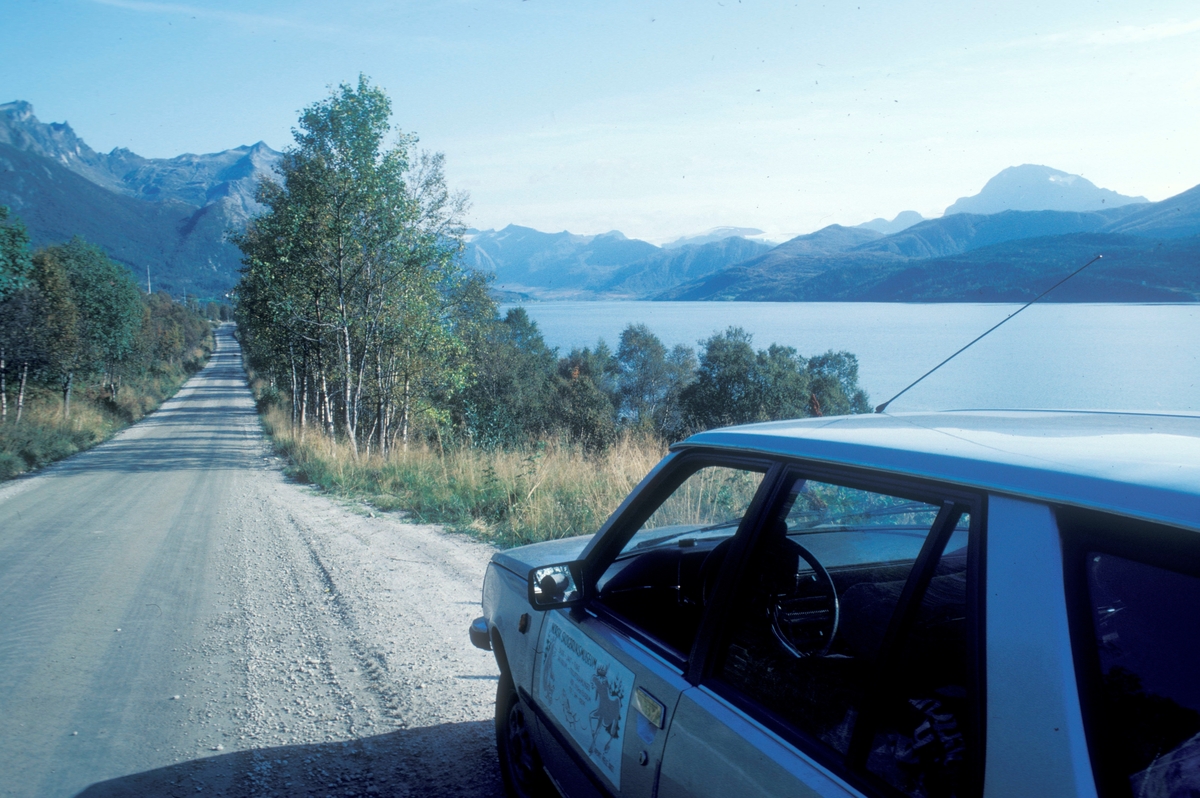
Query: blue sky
(654, 118)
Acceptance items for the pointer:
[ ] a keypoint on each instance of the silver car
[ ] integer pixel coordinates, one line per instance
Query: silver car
(945, 604)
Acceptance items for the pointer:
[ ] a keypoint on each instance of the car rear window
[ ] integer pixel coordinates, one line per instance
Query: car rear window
(1145, 706)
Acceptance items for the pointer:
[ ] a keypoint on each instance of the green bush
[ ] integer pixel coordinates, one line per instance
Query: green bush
(10, 465)
(268, 397)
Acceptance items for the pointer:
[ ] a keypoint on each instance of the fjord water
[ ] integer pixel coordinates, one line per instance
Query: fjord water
(1068, 356)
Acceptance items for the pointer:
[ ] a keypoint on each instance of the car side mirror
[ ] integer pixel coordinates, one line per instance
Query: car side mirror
(554, 586)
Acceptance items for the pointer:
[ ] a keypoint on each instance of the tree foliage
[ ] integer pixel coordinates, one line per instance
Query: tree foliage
(522, 390)
(508, 402)
(736, 385)
(355, 306)
(69, 314)
(350, 288)
(15, 262)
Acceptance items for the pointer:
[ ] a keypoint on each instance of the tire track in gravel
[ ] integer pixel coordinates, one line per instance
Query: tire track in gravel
(178, 618)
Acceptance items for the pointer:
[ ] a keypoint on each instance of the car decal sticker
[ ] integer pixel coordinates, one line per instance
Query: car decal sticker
(586, 691)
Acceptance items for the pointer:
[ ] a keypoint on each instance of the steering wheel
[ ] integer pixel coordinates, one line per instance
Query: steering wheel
(805, 624)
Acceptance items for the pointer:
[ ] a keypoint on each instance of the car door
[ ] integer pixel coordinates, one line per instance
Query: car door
(603, 701)
(840, 656)
(608, 674)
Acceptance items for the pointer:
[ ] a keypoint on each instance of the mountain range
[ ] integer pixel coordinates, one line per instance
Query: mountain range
(168, 214)
(1151, 253)
(528, 263)
(1027, 226)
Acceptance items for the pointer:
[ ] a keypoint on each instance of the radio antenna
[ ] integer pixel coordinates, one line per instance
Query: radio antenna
(883, 406)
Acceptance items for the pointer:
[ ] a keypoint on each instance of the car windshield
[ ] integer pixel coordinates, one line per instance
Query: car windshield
(649, 538)
(845, 526)
(912, 515)
(708, 504)
(816, 506)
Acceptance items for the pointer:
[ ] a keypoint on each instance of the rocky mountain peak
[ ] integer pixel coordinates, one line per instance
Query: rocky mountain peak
(903, 221)
(194, 179)
(20, 128)
(18, 110)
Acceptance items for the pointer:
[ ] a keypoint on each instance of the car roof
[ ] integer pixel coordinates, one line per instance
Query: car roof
(1142, 465)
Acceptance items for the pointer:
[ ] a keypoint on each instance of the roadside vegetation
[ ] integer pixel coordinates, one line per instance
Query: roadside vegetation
(83, 352)
(541, 490)
(385, 371)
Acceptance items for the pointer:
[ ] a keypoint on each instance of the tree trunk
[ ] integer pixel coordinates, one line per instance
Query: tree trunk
(379, 405)
(367, 440)
(304, 391)
(304, 403)
(348, 413)
(292, 361)
(21, 392)
(319, 403)
(70, 378)
(404, 415)
(318, 418)
(327, 410)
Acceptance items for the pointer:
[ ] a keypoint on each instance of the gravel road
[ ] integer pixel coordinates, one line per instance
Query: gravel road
(177, 618)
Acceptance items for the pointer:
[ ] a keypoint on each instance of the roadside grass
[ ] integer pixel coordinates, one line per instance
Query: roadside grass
(42, 436)
(509, 497)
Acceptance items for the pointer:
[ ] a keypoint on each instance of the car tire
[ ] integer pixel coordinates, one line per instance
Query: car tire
(520, 763)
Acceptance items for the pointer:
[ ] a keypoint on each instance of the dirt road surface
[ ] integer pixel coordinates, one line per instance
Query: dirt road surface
(177, 618)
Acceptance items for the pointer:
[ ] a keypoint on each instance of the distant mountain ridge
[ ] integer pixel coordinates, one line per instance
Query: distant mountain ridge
(1025, 225)
(670, 267)
(193, 179)
(717, 234)
(970, 257)
(903, 221)
(1031, 187)
(610, 265)
(170, 214)
(522, 258)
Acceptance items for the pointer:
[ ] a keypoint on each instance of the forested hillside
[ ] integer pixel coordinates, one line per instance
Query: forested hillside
(82, 350)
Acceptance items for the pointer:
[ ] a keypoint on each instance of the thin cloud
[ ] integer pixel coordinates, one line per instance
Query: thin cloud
(238, 18)
(1122, 34)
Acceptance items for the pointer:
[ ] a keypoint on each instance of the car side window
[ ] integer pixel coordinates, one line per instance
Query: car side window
(814, 643)
(659, 580)
(1145, 714)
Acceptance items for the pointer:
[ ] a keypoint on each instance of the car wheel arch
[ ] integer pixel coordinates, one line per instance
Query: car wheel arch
(499, 651)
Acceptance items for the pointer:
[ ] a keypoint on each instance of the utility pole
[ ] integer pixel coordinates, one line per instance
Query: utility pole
(148, 291)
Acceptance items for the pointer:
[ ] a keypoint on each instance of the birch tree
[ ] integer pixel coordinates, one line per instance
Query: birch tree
(15, 269)
(350, 276)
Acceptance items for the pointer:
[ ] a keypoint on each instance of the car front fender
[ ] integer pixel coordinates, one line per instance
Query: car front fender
(513, 624)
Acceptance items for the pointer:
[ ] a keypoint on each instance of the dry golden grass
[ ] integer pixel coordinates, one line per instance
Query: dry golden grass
(544, 491)
(42, 436)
